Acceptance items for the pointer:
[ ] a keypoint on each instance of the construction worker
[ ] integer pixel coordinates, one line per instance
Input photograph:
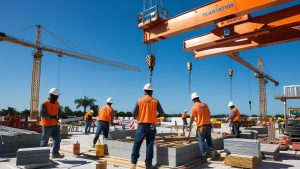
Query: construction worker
(201, 114)
(88, 119)
(184, 117)
(106, 115)
(49, 114)
(145, 112)
(235, 119)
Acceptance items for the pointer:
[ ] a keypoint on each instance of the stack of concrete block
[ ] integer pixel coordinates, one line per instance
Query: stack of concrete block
(163, 155)
(29, 156)
(243, 146)
(121, 134)
(259, 129)
(11, 139)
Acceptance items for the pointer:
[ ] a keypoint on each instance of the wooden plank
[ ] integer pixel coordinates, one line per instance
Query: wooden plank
(127, 163)
(242, 161)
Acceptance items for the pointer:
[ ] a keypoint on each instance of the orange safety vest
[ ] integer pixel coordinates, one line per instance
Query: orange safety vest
(201, 113)
(147, 110)
(105, 113)
(86, 116)
(51, 110)
(184, 116)
(237, 115)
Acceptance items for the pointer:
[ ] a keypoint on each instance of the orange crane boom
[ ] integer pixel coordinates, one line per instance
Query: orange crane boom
(277, 27)
(204, 16)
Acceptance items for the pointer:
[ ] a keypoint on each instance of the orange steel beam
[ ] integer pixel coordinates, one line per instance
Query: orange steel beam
(204, 16)
(275, 37)
(258, 31)
(253, 27)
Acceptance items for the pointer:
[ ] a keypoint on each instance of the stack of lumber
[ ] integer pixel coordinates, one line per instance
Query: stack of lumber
(242, 161)
(243, 146)
(29, 156)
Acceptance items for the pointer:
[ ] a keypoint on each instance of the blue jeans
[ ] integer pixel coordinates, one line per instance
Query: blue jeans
(102, 126)
(148, 131)
(236, 129)
(206, 135)
(54, 132)
(87, 127)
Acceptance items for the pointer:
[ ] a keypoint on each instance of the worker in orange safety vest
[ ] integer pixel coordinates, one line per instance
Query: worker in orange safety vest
(235, 119)
(145, 114)
(88, 119)
(49, 114)
(184, 121)
(201, 114)
(106, 115)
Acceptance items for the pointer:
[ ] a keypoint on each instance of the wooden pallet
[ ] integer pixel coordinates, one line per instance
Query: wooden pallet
(141, 165)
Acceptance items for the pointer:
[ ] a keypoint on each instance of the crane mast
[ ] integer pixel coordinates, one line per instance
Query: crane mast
(36, 75)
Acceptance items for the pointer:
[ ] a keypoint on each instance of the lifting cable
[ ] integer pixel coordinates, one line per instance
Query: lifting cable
(21, 30)
(189, 68)
(230, 74)
(249, 92)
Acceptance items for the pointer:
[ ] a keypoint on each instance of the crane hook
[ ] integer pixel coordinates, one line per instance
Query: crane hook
(150, 59)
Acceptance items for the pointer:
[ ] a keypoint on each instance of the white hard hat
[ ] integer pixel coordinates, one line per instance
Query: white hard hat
(109, 100)
(185, 110)
(194, 95)
(54, 91)
(148, 86)
(230, 104)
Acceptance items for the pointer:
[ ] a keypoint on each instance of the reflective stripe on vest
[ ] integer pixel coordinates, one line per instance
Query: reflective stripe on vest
(105, 113)
(237, 115)
(147, 110)
(51, 110)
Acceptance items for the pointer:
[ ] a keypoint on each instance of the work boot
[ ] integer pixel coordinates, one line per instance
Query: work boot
(57, 155)
(133, 166)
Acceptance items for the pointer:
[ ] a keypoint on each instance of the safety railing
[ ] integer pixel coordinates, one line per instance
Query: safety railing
(152, 14)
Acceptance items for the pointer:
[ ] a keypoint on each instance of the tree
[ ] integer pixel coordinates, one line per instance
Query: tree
(25, 112)
(84, 102)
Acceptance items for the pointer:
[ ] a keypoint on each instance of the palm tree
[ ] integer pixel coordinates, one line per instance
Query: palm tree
(84, 102)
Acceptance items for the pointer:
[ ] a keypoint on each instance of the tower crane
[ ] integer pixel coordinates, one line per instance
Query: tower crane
(37, 60)
(262, 79)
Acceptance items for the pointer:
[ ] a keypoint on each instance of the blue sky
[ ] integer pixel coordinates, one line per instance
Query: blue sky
(108, 29)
